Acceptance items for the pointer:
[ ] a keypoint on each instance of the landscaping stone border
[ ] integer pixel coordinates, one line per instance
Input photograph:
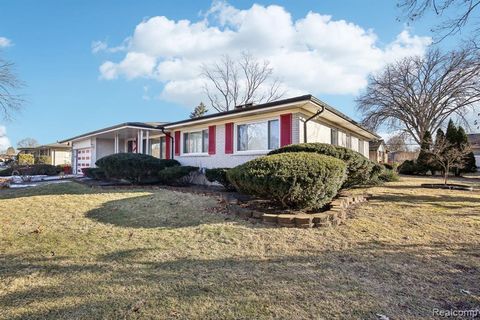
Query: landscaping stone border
(336, 215)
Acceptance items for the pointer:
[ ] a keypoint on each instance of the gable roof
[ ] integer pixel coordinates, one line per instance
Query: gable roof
(374, 145)
(263, 106)
(54, 145)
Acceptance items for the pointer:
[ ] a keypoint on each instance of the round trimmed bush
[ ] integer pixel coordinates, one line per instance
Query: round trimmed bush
(134, 167)
(295, 180)
(358, 166)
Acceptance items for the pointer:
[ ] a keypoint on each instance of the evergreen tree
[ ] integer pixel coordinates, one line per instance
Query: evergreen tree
(424, 160)
(440, 136)
(452, 133)
(470, 157)
(199, 111)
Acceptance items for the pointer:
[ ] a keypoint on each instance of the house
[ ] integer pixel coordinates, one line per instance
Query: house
(57, 153)
(378, 151)
(474, 140)
(229, 138)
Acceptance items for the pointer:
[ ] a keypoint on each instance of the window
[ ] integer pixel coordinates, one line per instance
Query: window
(349, 141)
(360, 146)
(334, 138)
(258, 136)
(155, 148)
(195, 141)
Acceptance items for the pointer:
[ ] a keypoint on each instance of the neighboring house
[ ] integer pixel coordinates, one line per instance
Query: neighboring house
(401, 156)
(59, 153)
(474, 140)
(378, 151)
(227, 139)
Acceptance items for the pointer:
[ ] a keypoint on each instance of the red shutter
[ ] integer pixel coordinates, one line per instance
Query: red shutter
(229, 138)
(285, 129)
(168, 145)
(211, 139)
(177, 143)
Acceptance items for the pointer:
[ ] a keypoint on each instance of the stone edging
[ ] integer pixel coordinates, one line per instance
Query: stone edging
(333, 217)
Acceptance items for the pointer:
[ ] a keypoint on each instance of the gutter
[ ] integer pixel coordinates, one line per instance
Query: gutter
(167, 134)
(320, 111)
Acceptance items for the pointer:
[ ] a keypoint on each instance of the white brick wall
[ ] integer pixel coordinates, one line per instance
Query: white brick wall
(219, 159)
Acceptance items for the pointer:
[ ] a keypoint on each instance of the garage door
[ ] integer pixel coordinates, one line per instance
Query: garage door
(84, 157)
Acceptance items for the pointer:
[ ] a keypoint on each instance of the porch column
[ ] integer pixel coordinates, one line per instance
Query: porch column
(147, 143)
(140, 142)
(116, 147)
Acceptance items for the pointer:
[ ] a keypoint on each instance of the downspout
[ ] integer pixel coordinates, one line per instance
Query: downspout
(167, 134)
(311, 118)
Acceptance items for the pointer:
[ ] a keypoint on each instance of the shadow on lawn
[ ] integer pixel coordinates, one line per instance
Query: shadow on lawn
(400, 281)
(68, 188)
(160, 210)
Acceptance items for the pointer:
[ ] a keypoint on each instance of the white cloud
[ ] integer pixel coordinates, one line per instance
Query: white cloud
(4, 42)
(102, 46)
(314, 54)
(4, 141)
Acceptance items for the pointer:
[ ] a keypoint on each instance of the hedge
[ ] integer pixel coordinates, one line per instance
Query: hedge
(358, 166)
(297, 180)
(134, 167)
(33, 170)
(25, 159)
(219, 175)
(94, 173)
(176, 176)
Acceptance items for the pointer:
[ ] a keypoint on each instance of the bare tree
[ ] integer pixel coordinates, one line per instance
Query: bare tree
(27, 143)
(417, 94)
(230, 83)
(448, 155)
(9, 101)
(454, 14)
(397, 143)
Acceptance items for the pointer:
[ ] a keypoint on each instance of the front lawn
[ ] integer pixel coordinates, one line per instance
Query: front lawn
(67, 251)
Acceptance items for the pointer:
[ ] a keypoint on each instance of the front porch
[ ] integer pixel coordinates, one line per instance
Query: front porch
(129, 137)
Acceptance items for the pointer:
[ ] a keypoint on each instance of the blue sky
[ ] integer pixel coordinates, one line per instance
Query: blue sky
(67, 93)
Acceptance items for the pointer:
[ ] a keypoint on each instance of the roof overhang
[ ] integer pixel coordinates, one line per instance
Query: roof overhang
(308, 103)
(106, 132)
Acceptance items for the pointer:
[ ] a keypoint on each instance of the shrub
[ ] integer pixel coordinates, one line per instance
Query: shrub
(6, 172)
(25, 159)
(295, 180)
(94, 173)
(134, 167)
(408, 167)
(358, 166)
(43, 160)
(388, 175)
(176, 176)
(388, 166)
(219, 175)
(66, 168)
(36, 169)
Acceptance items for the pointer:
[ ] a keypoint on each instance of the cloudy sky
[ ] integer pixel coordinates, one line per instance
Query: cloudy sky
(91, 64)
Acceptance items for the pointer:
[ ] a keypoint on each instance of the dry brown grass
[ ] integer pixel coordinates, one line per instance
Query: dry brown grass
(70, 252)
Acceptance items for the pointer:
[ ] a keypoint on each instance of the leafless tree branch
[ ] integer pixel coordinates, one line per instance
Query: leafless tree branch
(9, 101)
(230, 83)
(418, 94)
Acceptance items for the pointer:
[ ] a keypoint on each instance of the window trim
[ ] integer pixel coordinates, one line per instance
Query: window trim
(182, 139)
(261, 151)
